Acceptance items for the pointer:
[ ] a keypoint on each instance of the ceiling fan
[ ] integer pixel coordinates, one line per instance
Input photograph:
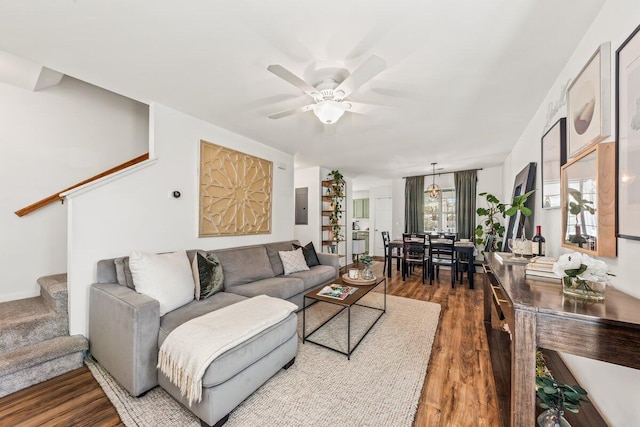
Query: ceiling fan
(329, 96)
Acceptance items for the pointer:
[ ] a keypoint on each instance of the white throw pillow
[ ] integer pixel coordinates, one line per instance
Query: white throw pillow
(293, 261)
(165, 277)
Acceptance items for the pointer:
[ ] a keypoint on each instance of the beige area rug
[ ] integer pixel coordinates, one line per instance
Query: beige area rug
(379, 386)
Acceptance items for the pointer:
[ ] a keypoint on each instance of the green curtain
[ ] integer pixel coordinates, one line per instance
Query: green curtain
(465, 203)
(414, 204)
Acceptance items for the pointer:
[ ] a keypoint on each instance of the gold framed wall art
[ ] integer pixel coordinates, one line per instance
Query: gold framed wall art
(235, 192)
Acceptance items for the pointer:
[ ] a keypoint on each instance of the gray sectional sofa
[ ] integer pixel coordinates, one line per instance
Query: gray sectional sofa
(126, 330)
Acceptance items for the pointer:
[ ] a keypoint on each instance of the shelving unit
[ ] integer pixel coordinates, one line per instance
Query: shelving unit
(328, 238)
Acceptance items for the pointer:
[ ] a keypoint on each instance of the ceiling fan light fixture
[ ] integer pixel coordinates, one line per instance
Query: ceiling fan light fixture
(328, 111)
(434, 190)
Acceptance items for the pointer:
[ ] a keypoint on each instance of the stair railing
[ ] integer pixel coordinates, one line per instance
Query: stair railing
(56, 197)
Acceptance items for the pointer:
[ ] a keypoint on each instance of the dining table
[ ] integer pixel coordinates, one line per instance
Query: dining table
(468, 248)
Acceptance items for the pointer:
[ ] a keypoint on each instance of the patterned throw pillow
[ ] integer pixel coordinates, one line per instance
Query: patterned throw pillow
(293, 261)
(207, 275)
(310, 255)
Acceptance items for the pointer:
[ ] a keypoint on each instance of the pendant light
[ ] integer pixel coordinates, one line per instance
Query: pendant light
(434, 190)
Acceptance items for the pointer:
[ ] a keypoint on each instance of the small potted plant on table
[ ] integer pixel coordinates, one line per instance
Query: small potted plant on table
(367, 273)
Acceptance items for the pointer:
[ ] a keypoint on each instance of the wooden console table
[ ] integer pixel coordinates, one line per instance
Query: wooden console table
(538, 315)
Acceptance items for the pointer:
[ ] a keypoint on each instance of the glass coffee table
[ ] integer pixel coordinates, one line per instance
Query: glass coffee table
(346, 304)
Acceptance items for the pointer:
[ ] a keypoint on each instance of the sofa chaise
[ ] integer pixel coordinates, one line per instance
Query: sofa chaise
(126, 329)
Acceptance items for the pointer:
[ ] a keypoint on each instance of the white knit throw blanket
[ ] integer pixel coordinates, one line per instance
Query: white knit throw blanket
(190, 348)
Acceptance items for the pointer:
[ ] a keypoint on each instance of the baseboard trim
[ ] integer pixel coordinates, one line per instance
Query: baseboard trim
(19, 295)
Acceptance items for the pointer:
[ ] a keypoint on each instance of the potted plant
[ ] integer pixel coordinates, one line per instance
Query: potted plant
(337, 194)
(491, 225)
(582, 276)
(555, 397)
(368, 262)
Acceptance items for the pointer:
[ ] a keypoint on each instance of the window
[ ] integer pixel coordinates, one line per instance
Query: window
(440, 214)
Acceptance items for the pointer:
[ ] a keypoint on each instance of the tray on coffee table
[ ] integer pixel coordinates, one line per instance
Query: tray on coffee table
(358, 281)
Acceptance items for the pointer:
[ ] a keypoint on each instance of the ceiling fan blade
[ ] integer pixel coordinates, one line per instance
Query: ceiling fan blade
(359, 108)
(291, 112)
(287, 75)
(371, 68)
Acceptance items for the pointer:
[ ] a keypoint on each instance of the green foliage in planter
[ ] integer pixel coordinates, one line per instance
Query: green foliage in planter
(337, 194)
(553, 395)
(491, 223)
(366, 260)
(559, 396)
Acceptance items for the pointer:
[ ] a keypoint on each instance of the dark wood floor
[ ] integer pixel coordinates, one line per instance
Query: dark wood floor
(458, 390)
(72, 399)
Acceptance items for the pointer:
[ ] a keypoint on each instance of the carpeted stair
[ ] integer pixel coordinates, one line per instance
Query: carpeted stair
(34, 337)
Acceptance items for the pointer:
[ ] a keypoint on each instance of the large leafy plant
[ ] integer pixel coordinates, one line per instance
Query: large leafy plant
(492, 214)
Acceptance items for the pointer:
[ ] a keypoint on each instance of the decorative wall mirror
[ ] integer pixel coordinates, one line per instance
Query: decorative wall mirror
(523, 183)
(588, 200)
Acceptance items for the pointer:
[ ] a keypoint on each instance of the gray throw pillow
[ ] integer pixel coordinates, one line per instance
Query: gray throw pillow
(207, 275)
(310, 254)
(123, 272)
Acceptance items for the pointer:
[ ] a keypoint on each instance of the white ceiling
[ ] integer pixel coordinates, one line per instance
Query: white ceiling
(463, 79)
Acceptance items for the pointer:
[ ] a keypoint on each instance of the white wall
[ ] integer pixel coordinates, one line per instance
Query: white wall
(375, 235)
(135, 211)
(614, 389)
(310, 178)
(51, 140)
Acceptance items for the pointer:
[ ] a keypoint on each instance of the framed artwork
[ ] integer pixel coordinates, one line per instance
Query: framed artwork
(628, 135)
(235, 192)
(589, 102)
(525, 181)
(553, 156)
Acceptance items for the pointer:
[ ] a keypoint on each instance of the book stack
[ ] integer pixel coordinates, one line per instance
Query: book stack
(542, 267)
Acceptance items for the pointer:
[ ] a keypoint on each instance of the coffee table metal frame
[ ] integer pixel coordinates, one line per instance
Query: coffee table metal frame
(346, 304)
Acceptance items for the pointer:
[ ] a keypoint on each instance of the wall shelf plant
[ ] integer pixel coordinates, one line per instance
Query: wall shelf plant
(333, 213)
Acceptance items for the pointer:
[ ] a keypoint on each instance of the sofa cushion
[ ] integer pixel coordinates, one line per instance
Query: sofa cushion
(194, 309)
(310, 255)
(164, 277)
(293, 261)
(244, 265)
(279, 287)
(316, 276)
(243, 355)
(207, 275)
(274, 256)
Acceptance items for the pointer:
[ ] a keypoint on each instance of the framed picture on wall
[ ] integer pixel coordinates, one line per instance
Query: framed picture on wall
(628, 135)
(553, 156)
(589, 102)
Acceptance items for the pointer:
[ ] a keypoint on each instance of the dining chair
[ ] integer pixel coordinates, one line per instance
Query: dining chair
(466, 261)
(385, 240)
(442, 253)
(414, 253)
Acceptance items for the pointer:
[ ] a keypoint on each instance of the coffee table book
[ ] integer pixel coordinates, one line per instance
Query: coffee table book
(337, 291)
